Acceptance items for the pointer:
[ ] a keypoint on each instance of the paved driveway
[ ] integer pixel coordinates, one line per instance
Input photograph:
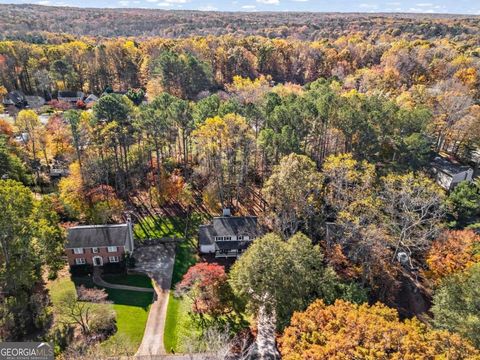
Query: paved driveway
(157, 262)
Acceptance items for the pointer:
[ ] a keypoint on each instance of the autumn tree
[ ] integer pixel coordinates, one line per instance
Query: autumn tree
(224, 145)
(413, 205)
(279, 277)
(453, 251)
(347, 180)
(364, 332)
(372, 222)
(113, 115)
(293, 194)
(27, 121)
(207, 287)
(77, 129)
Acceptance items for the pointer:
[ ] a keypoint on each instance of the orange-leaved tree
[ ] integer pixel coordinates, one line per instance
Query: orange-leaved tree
(350, 331)
(452, 252)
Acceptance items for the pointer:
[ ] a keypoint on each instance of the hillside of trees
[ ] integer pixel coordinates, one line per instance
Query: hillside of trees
(327, 134)
(27, 22)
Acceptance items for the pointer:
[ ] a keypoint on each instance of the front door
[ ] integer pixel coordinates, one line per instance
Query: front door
(97, 261)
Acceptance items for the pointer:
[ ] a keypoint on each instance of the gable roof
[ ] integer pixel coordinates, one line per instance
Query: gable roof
(70, 95)
(14, 98)
(228, 226)
(448, 167)
(97, 236)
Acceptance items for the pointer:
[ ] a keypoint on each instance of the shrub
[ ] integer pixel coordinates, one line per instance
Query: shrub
(81, 270)
(114, 268)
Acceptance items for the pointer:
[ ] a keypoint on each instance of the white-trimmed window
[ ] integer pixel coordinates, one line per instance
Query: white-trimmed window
(113, 259)
(112, 249)
(94, 250)
(80, 261)
(78, 250)
(223, 238)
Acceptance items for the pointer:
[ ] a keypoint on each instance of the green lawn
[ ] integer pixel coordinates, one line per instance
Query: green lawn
(177, 324)
(185, 257)
(59, 286)
(160, 227)
(168, 226)
(132, 312)
(131, 307)
(138, 280)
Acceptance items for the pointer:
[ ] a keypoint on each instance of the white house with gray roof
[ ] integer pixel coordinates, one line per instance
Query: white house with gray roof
(228, 236)
(449, 174)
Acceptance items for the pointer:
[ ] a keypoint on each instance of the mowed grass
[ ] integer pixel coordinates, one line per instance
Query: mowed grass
(138, 280)
(160, 227)
(131, 307)
(58, 287)
(185, 256)
(178, 324)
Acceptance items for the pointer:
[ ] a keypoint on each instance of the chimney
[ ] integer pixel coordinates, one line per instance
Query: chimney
(131, 241)
(227, 212)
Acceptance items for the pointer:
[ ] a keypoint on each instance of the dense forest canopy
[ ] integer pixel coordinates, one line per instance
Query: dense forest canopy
(27, 22)
(324, 126)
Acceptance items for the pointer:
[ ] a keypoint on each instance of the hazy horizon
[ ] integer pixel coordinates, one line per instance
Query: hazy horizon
(343, 6)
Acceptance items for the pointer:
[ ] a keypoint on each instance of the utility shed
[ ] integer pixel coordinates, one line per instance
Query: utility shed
(449, 174)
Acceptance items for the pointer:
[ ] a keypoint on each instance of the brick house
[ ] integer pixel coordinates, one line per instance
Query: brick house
(98, 244)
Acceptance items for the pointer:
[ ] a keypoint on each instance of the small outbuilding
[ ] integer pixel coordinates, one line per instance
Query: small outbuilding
(449, 174)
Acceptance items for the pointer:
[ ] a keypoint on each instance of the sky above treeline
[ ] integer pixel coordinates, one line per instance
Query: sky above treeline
(411, 6)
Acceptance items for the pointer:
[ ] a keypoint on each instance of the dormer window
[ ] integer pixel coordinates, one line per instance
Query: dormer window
(223, 238)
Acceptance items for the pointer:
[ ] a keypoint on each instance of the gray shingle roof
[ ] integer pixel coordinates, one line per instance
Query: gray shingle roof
(228, 226)
(449, 167)
(97, 236)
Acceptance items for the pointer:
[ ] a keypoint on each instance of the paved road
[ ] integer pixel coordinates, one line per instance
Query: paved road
(157, 262)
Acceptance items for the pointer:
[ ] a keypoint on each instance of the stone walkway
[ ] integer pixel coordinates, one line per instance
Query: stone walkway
(97, 280)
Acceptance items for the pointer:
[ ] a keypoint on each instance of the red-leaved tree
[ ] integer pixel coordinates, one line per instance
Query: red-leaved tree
(206, 285)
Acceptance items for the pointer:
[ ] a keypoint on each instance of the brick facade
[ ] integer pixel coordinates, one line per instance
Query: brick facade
(88, 255)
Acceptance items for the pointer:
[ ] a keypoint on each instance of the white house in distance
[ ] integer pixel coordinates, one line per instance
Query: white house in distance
(449, 174)
(227, 236)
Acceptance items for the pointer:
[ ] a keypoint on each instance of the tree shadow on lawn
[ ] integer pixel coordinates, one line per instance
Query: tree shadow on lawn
(185, 257)
(118, 296)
